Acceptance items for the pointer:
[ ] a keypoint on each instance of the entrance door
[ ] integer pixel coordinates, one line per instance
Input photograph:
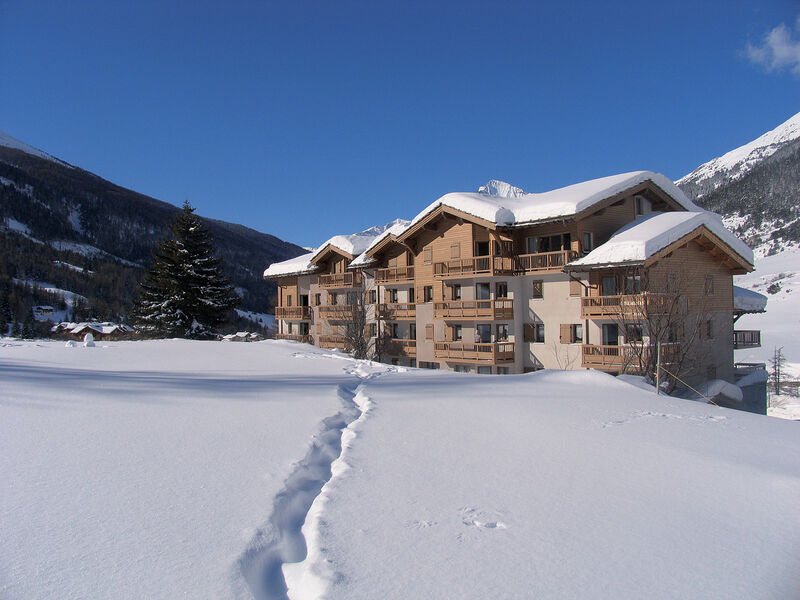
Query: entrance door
(610, 334)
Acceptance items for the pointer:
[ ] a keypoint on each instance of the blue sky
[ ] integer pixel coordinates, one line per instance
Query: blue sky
(308, 119)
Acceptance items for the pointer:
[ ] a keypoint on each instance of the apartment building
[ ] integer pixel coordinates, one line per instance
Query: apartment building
(499, 281)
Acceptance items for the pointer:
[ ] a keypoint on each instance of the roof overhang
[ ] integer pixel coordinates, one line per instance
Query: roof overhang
(709, 241)
(442, 212)
(327, 250)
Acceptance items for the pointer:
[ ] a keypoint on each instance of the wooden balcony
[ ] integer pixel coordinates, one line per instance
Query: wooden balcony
(629, 305)
(402, 347)
(397, 311)
(480, 265)
(624, 357)
(544, 261)
(394, 275)
(295, 337)
(340, 280)
(493, 310)
(293, 313)
(338, 312)
(746, 338)
(498, 352)
(331, 341)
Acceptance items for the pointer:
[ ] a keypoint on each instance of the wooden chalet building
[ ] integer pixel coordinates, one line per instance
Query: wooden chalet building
(586, 276)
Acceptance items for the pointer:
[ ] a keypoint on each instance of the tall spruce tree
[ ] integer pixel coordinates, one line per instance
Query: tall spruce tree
(184, 293)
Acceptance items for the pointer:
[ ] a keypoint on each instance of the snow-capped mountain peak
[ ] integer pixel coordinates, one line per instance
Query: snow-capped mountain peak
(736, 163)
(495, 187)
(11, 142)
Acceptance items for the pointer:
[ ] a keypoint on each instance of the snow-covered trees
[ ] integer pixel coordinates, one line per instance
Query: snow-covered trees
(184, 293)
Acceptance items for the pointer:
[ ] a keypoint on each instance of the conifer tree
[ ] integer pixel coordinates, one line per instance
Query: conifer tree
(184, 293)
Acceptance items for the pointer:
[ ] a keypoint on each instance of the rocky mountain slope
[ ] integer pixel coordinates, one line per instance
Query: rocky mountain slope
(66, 227)
(756, 187)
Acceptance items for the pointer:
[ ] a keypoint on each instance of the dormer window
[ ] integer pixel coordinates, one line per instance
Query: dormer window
(641, 205)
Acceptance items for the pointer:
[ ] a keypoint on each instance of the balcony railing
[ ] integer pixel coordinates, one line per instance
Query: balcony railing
(331, 341)
(626, 358)
(338, 312)
(494, 310)
(498, 352)
(340, 280)
(545, 261)
(632, 305)
(295, 337)
(293, 313)
(397, 311)
(480, 265)
(746, 338)
(402, 347)
(394, 275)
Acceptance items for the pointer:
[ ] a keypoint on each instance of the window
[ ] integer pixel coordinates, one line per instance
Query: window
(412, 331)
(427, 256)
(571, 333)
(531, 245)
(429, 331)
(503, 371)
(303, 328)
(502, 333)
(317, 299)
(373, 296)
(373, 329)
(462, 368)
(352, 298)
(575, 288)
(304, 300)
(484, 370)
(588, 242)
(483, 334)
(538, 333)
(456, 332)
(410, 259)
(709, 329)
(412, 362)
(538, 288)
(481, 248)
(641, 205)
(288, 328)
(424, 364)
(288, 300)
(709, 285)
(633, 284)
(501, 289)
(411, 295)
(333, 298)
(427, 293)
(395, 330)
(633, 333)
(455, 250)
(456, 292)
(609, 285)
(392, 295)
(482, 291)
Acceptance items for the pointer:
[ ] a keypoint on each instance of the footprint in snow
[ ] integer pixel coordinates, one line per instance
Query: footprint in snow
(474, 517)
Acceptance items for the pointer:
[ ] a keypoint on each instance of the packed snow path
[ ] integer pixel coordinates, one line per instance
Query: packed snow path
(282, 540)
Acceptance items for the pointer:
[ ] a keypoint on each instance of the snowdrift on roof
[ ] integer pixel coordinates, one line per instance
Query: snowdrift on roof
(294, 266)
(647, 235)
(560, 203)
(748, 300)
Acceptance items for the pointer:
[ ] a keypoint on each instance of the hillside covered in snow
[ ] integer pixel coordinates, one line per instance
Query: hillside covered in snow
(172, 468)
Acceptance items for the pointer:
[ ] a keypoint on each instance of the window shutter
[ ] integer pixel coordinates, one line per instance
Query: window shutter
(527, 332)
(566, 333)
(575, 288)
(455, 250)
(428, 256)
(429, 331)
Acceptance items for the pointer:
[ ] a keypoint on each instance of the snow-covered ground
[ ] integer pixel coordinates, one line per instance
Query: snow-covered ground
(166, 469)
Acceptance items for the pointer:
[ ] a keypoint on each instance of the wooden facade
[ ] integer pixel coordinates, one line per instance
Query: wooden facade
(459, 292)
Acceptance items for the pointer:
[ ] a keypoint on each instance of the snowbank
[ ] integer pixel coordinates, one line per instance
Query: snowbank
(644, 237)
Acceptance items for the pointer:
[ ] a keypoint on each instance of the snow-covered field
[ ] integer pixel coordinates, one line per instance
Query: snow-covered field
(170, 469)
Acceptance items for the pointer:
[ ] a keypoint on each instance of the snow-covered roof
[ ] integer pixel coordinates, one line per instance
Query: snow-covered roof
(356, 244)
(647, 235)
(520, 209)
(395, 228)
(747, 300)
(294, 266)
